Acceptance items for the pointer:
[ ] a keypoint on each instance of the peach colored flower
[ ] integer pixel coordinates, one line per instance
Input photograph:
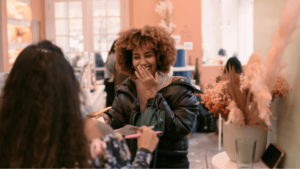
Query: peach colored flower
(236, 115)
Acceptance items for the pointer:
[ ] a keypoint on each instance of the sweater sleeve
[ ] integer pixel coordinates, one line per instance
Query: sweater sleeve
(117, 154)
(142, 159)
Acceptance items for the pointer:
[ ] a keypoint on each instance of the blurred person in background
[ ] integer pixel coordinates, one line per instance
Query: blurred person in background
(231, 62)
(235, 63)
(99, 63)
(109, 76)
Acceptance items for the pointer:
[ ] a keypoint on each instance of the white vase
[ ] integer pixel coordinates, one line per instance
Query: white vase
(231, 132)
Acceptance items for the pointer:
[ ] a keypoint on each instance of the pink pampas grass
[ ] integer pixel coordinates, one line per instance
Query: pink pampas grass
(236, 116)
(287, 25)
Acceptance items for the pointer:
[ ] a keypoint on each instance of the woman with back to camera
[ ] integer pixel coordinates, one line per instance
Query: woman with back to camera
(146, 56)
(41, 125)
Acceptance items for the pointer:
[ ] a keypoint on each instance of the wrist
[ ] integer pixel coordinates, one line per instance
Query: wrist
(150, 93)
(146, 151)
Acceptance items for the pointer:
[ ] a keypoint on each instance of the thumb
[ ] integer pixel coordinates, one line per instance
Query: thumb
(156, 77)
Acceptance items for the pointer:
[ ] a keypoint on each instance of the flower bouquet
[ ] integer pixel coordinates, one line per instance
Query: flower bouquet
(244, 108)
(245, 99)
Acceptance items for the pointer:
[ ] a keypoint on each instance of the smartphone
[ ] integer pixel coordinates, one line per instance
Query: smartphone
(272, 156)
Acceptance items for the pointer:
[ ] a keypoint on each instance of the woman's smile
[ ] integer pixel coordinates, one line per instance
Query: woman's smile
(145, 57)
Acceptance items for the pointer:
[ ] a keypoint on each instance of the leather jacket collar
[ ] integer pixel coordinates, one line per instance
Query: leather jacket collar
(129, 87)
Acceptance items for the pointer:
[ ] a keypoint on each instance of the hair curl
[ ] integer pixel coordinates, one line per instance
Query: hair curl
(154, 37)
(40, 119)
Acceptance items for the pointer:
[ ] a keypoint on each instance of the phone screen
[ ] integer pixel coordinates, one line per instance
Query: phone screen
(271, 156)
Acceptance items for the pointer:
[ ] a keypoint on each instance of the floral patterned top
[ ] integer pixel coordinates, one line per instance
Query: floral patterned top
(116, 153)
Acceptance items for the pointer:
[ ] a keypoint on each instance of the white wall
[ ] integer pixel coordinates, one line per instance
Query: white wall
(286, 129)
(227, 24)
(211, 34)
(245, 30)
(229, 28)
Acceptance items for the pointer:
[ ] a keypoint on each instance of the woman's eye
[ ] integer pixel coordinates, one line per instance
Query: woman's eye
(148, 56)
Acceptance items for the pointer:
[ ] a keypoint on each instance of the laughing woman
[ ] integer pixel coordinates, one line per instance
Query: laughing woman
(145, 55)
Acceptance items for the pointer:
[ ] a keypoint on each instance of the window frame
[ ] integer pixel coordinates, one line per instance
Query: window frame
(88, 27)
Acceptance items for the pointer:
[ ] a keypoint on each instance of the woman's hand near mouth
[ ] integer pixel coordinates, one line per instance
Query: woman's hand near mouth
(147, 80)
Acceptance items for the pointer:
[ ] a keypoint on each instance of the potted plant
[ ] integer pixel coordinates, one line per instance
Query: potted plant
(244, 101)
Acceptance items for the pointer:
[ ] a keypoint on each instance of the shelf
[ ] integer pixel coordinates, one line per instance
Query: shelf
(21, 2)
(27, 2)
(19, 22)
(19, 45)
(183, 69)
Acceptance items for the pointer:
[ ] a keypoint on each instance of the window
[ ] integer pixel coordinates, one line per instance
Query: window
(228, 25)
(79, 26)
(69, 30)
(106, 26)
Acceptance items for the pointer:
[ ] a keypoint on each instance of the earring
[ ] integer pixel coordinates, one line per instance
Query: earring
(132, 67)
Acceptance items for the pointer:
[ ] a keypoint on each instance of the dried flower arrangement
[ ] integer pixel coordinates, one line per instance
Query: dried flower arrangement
(164, 9)
(280, 88)
(246, 99)
(216, 99)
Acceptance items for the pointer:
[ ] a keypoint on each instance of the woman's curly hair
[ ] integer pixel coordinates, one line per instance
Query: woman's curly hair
(154, 37)
(41, 125)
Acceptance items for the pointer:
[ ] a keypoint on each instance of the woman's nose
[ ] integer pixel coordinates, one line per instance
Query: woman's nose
(143, 61)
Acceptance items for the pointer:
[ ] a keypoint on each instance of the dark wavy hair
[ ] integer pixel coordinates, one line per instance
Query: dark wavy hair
(154, 37)
(235, 63)
(40, 119)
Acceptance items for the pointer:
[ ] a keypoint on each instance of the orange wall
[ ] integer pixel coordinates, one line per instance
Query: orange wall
(142, 13)
(38, 13)
(3, 38)
(209, 73)
(186, 17)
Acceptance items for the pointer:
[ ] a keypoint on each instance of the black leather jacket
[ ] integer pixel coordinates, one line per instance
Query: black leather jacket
(179, 102)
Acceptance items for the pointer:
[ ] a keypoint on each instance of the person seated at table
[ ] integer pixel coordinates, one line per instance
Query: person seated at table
(41, 125)
(222, 57)
(146, 55)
